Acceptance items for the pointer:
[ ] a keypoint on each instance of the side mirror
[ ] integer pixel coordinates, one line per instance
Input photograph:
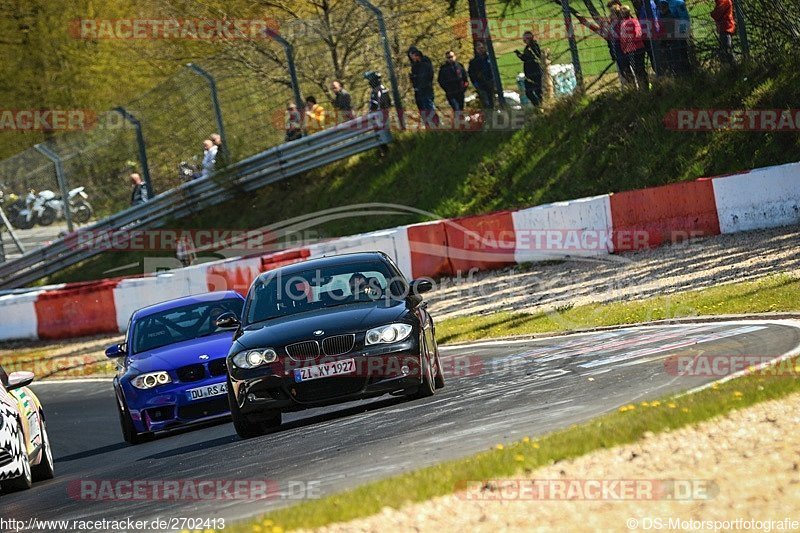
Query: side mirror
(116, 350)
(420, 286)
(20, 379)
(228, 320)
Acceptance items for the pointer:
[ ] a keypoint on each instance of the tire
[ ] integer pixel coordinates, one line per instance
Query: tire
(428, 386)
(24, 481)
(439, 379)
(48, 216)
(247, 427)
(45, 469)
(21, 222)
(129, 433)
(82, 212)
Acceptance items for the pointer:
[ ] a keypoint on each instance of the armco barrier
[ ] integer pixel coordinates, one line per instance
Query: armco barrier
(428, 251)
(762, 198)
(483, 242)
(647, 218)
(580, 228)
(76, 310)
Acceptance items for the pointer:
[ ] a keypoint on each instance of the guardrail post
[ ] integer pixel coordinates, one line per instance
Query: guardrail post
(387, 56)
(62, 180)
(212, 85)
(142, 149)
(288, 49)
(741, 28)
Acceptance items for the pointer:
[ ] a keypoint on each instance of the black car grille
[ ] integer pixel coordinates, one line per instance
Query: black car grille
(325, 389)
(217, 367)
(204, 408)
(190, 373)
(5, 458)
(301, 351)
(339, 344)
(159, 414)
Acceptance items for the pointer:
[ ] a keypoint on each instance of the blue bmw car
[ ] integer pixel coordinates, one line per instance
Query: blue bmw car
(171, 369)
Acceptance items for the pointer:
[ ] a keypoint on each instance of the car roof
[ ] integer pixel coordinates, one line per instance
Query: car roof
(329, 261)
(186, 300)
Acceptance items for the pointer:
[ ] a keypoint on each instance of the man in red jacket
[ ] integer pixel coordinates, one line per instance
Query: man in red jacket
(726, 26)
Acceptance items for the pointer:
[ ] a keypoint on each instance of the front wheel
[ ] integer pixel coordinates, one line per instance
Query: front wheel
(24, 480)
(22, 221)
(129, 433)
(82, 212)
(428, 385)
(45, 469)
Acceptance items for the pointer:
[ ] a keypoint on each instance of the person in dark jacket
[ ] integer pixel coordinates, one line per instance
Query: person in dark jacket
(531, 58)
(139, 191)
(453, 80)
(422, 80)
(342, 103)
(482, 75)
(379, 100)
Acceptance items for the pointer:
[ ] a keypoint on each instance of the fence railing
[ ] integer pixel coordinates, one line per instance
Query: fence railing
(281, 162)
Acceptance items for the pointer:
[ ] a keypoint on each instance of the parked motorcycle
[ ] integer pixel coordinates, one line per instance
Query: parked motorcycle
(26, 211)
(54, 208)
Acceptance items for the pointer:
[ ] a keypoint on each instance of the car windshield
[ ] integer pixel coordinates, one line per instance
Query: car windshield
(181, 323)
(280, 295)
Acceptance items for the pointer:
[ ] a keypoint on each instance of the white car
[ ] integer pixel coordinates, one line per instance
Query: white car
(25, 453)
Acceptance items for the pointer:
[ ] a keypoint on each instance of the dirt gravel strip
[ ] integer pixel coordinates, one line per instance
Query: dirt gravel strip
(660, 271)
(750, 460)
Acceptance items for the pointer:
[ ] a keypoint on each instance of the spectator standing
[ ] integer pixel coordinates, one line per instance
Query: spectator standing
(222, 158)
(650, 29)
(422, 80)
(342, 102)
(531, 58)
(294, 123)
(681, 32)
(632, 46)
(454, 80)
(209, 158)
(379, 102)
(726, 27)
(138, 190)
(315, 116)
(482, 75)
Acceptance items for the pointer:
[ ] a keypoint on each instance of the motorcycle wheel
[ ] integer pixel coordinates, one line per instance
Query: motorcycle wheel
(82, 212)
(48, 216)
(22, 222)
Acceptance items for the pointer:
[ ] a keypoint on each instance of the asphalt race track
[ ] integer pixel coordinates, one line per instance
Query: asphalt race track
(501, 391)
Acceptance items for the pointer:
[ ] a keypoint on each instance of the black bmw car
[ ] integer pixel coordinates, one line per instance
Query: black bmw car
(327, 331)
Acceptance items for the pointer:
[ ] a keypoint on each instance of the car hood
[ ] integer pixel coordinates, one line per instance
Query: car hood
(182, 353)
(350, 318)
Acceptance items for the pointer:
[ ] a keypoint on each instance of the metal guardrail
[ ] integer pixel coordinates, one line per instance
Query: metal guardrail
(281, 162)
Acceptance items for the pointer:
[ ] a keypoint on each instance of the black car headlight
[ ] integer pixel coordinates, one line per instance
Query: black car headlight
(254, 358)
(151, 380)
(388, 334)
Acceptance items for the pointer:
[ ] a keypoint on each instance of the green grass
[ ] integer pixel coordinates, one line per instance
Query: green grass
(626, 425)
(613, 142)
(774, 293)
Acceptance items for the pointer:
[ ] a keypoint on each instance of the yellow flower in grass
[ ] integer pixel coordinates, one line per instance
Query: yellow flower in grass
(526, 440)
(671, 405)
(655, 403)
(685, 410)
(536, 445)
(714, 386)
(519, 457)
(645, 404)
(499, 447)
(277, 529)
(737, 394)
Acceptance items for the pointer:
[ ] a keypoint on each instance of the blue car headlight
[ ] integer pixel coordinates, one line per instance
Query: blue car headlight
(254, 358)
(151, 380)
(388, 334)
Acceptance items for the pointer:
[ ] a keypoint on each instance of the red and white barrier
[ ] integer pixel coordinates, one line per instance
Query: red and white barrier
(762, 198)
(587, 227)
